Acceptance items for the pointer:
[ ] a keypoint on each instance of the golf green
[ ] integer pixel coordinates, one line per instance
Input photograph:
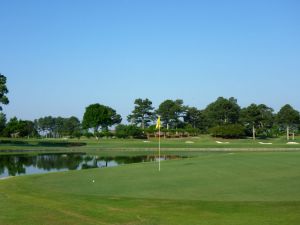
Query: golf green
(217, 188)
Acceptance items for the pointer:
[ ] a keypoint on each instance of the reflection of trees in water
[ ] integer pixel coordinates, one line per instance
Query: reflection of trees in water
(134, 159)
(49, 162)
(87, 159)
(92, 162)
(15, 164)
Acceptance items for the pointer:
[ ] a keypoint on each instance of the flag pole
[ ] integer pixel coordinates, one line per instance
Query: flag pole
(158, 125)
(159, 149)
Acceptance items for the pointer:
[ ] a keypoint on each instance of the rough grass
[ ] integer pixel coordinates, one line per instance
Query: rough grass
(216, 188)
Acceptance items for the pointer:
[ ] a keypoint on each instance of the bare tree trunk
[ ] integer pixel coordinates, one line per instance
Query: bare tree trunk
(253, 132)
(287, 132)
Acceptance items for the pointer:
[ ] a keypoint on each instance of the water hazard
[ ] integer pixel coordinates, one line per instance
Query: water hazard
(16, 165)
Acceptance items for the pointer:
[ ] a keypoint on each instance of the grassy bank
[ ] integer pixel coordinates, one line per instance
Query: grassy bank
(127, 146)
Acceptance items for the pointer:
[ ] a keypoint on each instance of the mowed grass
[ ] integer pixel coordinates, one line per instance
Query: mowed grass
(214, 188)
(134, 146)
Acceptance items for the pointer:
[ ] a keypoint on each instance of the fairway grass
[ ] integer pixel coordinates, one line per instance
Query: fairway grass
(213, 188)
(124, 147)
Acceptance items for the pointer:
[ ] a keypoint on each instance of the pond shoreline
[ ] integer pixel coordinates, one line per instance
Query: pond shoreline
(18, 165)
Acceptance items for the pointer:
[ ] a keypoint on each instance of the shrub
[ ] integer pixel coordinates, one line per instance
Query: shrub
(106, 134)
(228, 131)
(88, 134)
(129, 131)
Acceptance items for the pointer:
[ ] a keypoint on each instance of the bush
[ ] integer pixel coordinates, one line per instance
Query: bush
(88, 135)
(129, 131)
(76, 134)
(228, 131)
(106, 134)
(191, 130)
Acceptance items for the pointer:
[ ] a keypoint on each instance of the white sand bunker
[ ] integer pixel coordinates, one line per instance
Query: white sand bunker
(265, 143)
(292, 143)
(146, 141)
(189, 142)
(220, 142)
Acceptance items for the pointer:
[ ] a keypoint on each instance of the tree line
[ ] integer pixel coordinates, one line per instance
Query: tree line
(221, 118)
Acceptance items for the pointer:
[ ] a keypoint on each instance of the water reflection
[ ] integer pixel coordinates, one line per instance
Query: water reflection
(14, 165)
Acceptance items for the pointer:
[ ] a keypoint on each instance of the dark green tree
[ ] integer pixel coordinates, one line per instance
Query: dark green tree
(59, 129)
(12, 127)
(98, 116)
(27, 128)
(58, 126)
(3, 91)
(288, 118)
(171, 112)
(19, 128)
(142, 114)
(2, 122)
(257, 117)
(72, 126)
(196, 118)
(223, 111)
(129, 131)
(228, 131)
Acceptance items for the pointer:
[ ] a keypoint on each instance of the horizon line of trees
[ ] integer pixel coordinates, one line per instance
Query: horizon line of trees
(221, 118)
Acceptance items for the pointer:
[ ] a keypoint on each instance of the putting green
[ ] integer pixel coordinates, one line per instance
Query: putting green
(217, 188)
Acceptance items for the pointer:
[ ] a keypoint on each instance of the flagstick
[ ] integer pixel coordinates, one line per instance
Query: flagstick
(159, 149)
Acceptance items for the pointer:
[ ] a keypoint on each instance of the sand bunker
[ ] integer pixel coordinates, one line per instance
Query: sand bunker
(265, 143)
(220, 142)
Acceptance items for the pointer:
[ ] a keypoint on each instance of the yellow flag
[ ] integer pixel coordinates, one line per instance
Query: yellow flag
(158, 124)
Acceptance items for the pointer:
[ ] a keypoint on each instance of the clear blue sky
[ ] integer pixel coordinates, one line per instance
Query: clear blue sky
(60, 56)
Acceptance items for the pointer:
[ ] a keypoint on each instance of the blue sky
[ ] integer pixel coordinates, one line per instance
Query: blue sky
(60, 56)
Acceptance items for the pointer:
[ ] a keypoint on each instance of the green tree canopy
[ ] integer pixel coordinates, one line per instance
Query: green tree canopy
(288, 118)
(72, 126)
(58, 126)
(129, 131)
(19, 128)
(223, 111)
(196, 118)
(142, 114)
(98, 116)
(228, 131)
(3, 91)
(171, 112)
(2, 122)
(257, 117)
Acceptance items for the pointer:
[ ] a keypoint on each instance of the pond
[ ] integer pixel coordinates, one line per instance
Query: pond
(16, 165)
